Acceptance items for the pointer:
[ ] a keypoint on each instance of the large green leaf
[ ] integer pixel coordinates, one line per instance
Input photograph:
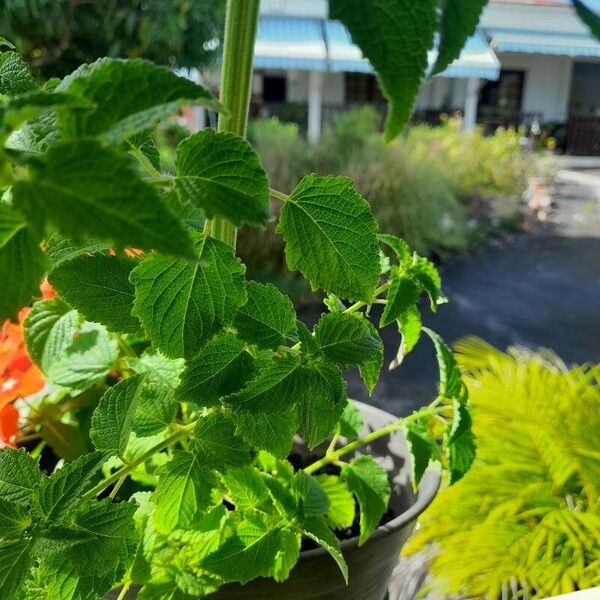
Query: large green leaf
(60, 492)
(19, 476)
(395, 35)
(98, 287)
(156, 408)
(460, 442)
(347, 339)
(318, 531)
(216, 444)
(340, 513)
(182, 493)
(267, 318)
(222, 368)
(15, 75)
(129, 96)
(16, 558)
(50, 328)
(370, 484)
(248, 554)
(263, 410)
(97, 538)
(61, 250)
(220, 173)
(84, 188)
(114, 417)
(14, 520)
(331, 236)
(459, 20)
(452, 386)
(183, 304)
(588, 16)
(370, 370)
(320, 395)
(313, 501)
(86, 361)
(22, 263)
(403, 294)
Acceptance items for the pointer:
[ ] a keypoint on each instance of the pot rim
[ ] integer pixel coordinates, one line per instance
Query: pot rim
(426, 492)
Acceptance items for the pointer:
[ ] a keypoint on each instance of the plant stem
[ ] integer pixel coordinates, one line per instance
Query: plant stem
(124, 591)
(332, 457)
(126, 469)
(236, 78)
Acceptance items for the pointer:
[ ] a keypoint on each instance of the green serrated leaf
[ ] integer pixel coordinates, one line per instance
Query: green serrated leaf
(370, 484)
(350, 424)
(399, 246)
(19, 476)
(14, 520)
(589, 17)
(320, 395)
(395, 35)
(161, 369)
(460, 442)
(86, 189)
(50, 328)
(246, 488)
(287, 555)
(347, 339)
(60, 249)
(314, 502)
(409, 326)
(168, 590)
(156, 408)
(248, 554)
(19, 254)
(57, 494)
(16, 558)
(98, 287)
(307, 340)
(451, 384)
(114, 417)
(86, 361)
(184, 490)
(459, 20)
(15, 75)
(96, 539)
(264, 409)
(220, 173)
(422, 450)
(216, 444)
(425, 272)
(129, 96)
(222, 368)
(340, 514)
(402, 295)
(183, 304)
(267, 318)
(331, 237)
(318, 531)
(370, 370)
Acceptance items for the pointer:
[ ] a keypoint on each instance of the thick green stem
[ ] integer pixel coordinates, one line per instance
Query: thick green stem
(236, 80)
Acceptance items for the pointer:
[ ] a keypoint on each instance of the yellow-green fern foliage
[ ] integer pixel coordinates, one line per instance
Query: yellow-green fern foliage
(525, 520)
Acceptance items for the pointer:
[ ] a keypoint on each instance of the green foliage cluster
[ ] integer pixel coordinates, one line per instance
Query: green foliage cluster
(525, 520)
(56, 36)
(177, 388)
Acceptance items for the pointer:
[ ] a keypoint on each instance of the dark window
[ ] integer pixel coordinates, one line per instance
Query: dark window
(274, 88)
(502, 98)
(362, 88)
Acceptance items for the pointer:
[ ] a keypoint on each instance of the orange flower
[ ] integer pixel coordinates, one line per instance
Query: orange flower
(9, 426)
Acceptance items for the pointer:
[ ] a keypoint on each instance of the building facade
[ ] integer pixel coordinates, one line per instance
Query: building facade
(530, 61)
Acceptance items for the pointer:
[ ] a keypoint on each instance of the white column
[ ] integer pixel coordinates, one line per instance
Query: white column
(315, 101)
(199, 112)
(471, 100)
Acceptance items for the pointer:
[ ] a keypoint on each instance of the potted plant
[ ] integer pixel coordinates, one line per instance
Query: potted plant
(193, 435)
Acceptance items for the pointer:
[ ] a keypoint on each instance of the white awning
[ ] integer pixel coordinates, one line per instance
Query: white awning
(325, 45)
(543, 42)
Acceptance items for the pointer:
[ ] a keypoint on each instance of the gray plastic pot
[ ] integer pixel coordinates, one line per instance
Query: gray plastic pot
(316, 576)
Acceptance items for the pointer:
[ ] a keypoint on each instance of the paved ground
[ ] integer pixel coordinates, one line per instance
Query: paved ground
(538, 289)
